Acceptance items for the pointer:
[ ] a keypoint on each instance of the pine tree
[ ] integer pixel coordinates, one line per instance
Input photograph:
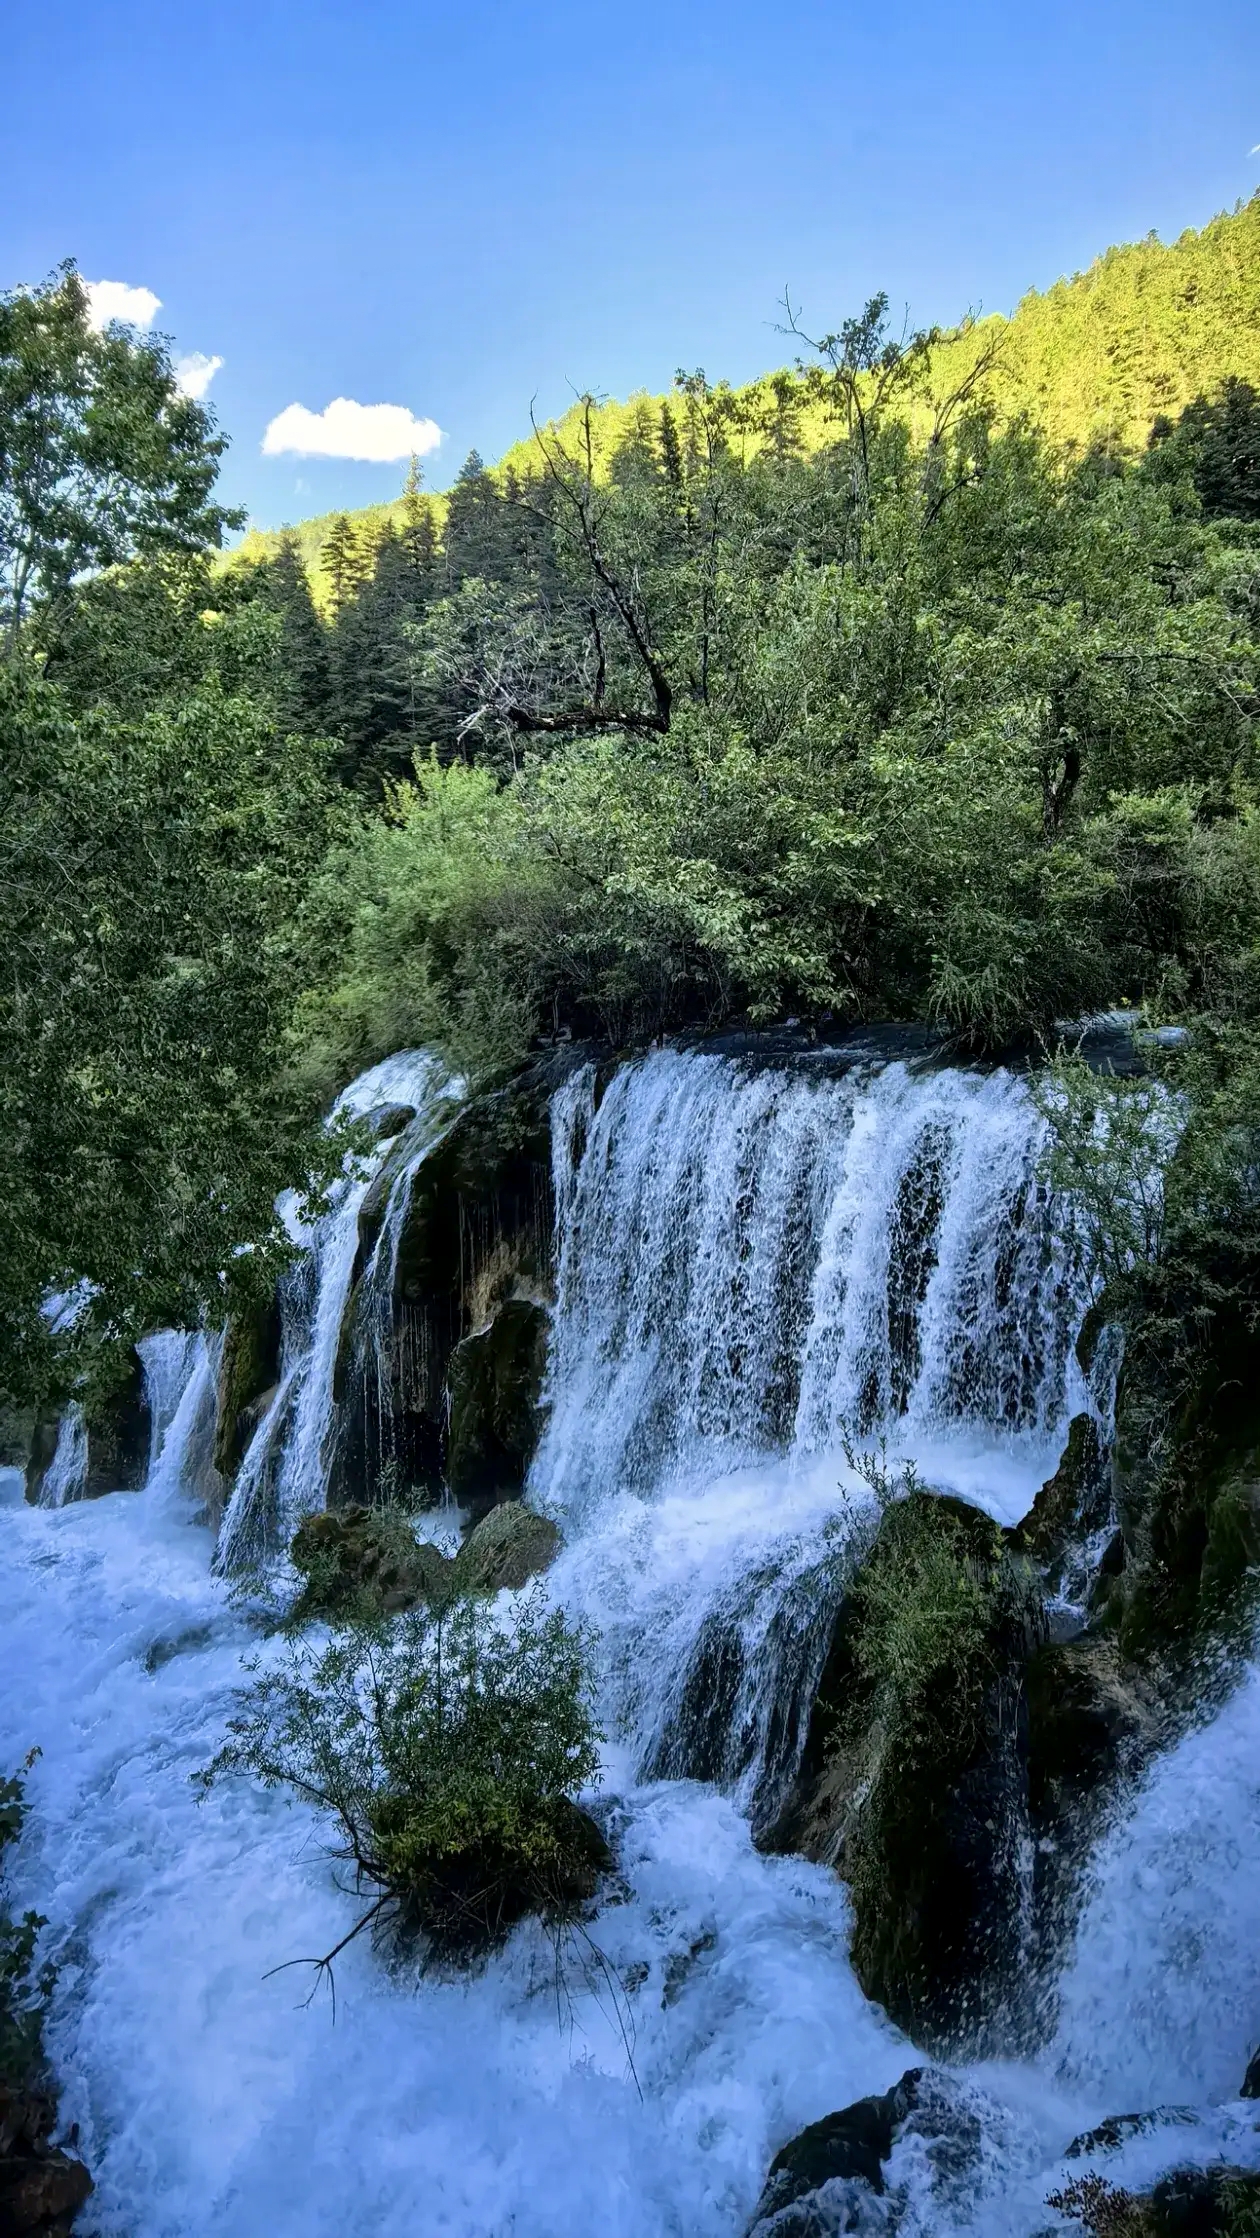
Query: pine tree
(345, 563)
(671, 449)
(306, 697)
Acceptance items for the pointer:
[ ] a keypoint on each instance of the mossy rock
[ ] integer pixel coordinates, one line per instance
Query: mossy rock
(495, 1384)
(914, 1777)
(365, 1562)
(249, 1369)
(118, 1435)
(508, 1547)
(1214, 2202)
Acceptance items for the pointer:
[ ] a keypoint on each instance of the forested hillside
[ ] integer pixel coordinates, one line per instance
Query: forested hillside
(1096, 358)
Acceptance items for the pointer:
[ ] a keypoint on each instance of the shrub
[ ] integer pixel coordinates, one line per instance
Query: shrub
(448, 1749)
(25, 1988)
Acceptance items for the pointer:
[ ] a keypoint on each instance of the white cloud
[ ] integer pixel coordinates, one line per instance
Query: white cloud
(113, 299)
(194, 373)
(345, 429)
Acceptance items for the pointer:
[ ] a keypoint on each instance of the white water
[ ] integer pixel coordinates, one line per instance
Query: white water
(701, 1368)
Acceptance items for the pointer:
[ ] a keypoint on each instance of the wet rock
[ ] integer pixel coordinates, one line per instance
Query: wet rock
(824, 2180)
(495, 1384)
(1092, 1720)
(1251, 2080)
(386, 1120)
(41, 2187)
(508, 1547)
(365, 1561)
(1116, 2131)
(914, 1779)
(476, 1234)
(249, 1369)
(1073, 1504)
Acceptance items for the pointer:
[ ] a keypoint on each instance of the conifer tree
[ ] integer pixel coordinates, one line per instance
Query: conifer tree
(306, 689)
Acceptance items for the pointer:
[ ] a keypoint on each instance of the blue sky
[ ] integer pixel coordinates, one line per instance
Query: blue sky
(456, 209)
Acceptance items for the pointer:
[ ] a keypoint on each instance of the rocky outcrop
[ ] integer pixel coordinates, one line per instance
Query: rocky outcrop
(249, 1369)
(507, 1548)
(914, 1780)
(824, 2178)
(41, 2187)
(471, 1276)
(495, 1385)
(1072, 1507)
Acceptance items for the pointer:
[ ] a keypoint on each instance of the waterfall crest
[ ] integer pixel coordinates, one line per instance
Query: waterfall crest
(752, 1263)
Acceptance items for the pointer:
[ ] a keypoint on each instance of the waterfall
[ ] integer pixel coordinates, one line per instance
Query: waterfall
(180, 1373)
(753, 1265)
(284, 1471)
(66, 1473)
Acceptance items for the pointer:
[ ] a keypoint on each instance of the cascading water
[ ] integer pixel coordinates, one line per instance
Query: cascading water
(753, 1267)
(284, 1471)
(749, 1264)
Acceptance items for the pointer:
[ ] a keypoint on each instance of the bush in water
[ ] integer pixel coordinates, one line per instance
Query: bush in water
(448, 1747)
(359, 1564)
(24, 1989)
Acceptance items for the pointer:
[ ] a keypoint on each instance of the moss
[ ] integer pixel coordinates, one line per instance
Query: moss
(1215, 2202)
(365, 1563)
(248, 1369)
(495, 1385)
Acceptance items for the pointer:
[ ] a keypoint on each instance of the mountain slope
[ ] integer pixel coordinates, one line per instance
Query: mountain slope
(1144, 329)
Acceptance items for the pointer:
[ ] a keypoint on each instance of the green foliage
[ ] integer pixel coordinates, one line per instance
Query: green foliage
(101, 458)
(359, 1564)
(152, 863)
(25, 1985)
(740, 755)
(447, 1748)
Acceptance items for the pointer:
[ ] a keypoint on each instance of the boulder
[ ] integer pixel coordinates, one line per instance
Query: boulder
(507, 1548)
(367, 1562)
(823, 2180)
(41, 2187)
(495, 1384)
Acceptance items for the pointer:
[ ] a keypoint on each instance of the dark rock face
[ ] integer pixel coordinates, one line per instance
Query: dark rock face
(389, 1119)
(365, 1561)
(474, 1243)
(914, 1780)
(823, 2181)
(1072, 1505)
(495, 1384)
(1251, 2080)
(249, 1370)
(508, 1547)
(41, 2188)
